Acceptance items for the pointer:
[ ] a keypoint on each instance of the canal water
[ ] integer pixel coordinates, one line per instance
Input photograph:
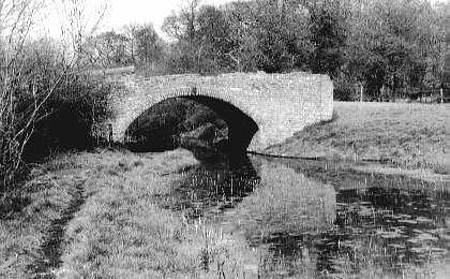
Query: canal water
(322, 218)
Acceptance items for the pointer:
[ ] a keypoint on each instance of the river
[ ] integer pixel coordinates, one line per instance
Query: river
(321, 217)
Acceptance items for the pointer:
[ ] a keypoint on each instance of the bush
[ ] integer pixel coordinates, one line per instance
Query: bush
(345, 89)
(46, 104)
(71, 114)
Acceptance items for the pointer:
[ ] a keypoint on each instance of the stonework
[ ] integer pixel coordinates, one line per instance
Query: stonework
(280, 104)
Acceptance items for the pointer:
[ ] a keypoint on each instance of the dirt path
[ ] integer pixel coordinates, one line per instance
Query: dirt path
(51, 249)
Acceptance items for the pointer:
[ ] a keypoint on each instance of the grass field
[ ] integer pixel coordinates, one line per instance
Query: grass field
(411, 136)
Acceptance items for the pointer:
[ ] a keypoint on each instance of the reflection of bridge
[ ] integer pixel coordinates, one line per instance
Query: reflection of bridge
(260, 109)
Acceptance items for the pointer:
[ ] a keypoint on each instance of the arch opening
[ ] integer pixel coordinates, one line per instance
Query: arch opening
(195, 122)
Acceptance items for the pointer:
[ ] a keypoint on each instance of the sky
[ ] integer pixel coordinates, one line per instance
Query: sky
(118, 13)
(143, 11)
(122, 12)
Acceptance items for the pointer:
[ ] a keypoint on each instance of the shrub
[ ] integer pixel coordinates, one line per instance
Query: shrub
(70, 116)
(46, 104)
(345, 89)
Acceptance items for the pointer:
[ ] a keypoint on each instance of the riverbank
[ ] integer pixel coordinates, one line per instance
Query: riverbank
(407, 136)
(101, 215)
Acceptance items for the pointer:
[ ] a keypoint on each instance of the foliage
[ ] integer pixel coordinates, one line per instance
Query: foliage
(444, 18)
(328, 35)
(111, 49)
(241, 37)
(394, 44)
(148, 44)
(136, 44)
(43, 85)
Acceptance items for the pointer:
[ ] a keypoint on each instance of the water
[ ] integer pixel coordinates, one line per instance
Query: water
(326, 220)
(213, 186)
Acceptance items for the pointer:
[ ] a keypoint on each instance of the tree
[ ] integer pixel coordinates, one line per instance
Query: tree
(328, 36)
(242, 36)
(148, 47)
(444, 22)
(16, 19)
(392, 44)
(213, 40)
(182, 27)
(112, 49)
(270, 35)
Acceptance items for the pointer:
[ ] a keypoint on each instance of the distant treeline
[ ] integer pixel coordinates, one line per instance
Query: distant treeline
(379, 46)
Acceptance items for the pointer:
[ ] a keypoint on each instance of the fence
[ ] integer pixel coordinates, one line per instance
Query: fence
(441, 95)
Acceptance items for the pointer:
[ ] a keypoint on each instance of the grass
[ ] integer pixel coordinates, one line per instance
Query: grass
(119, 230)
(23, 228)
(411, 136)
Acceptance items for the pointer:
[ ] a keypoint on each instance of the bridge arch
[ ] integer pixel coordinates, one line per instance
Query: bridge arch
(241, 127)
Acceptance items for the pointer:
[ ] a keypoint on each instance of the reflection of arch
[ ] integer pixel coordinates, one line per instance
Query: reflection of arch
(241, 127)
(214, 184)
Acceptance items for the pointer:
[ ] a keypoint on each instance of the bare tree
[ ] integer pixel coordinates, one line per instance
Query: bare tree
(16, 19)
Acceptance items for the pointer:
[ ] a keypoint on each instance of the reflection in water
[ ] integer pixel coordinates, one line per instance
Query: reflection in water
(374, 224)
(387, 231)
(286, 202)
(216, 184)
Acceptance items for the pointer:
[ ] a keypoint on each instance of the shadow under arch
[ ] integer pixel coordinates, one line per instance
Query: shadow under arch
(241, 127)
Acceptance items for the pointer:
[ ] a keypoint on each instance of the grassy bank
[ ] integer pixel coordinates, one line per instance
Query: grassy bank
(97, 215)
(412, 136)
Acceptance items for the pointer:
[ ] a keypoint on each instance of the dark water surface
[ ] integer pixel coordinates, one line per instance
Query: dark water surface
(382, 225)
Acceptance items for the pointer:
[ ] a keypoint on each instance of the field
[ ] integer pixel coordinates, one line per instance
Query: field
(110, 213)
(409, 136)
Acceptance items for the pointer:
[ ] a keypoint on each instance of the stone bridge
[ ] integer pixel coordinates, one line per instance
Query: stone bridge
(260, 109)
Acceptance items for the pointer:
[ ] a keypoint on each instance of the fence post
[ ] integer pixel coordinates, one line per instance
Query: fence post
(442, 95)
(110, 134)
(361, 91)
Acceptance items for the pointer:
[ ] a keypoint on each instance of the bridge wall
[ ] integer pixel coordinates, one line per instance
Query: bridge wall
(281, 104)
